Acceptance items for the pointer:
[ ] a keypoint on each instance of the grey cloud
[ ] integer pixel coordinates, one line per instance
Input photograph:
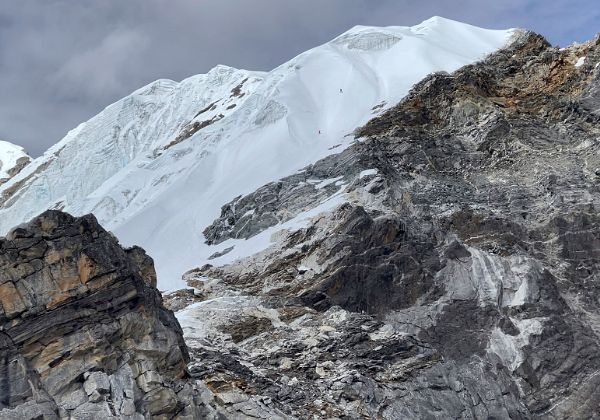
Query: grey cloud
(62, 61)
(103, 71)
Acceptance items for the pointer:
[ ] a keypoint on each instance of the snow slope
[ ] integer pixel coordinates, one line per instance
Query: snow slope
(157, 166)
(11, 156)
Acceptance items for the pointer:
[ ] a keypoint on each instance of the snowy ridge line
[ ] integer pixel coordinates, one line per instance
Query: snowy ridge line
(156, 166)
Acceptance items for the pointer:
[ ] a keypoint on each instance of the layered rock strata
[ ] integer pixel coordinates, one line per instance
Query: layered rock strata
(83, 332)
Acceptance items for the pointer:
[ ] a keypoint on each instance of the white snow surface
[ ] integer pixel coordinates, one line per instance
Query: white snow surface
(368, 172)
(9, 157)
(116, 165)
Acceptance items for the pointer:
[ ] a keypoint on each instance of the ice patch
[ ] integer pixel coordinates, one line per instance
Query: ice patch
(369, 41)
(492, 279)
(508, 347)
(327, 182)
(368, 172)
(270, 114)
(249, 213)
(580, 62)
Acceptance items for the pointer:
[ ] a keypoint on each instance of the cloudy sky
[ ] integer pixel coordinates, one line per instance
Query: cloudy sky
(62, 61)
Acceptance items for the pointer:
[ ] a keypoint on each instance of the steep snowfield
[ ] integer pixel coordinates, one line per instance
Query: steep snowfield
(157, 166)
(11, 156)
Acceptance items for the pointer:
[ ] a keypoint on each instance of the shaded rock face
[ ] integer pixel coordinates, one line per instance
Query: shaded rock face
(458, 278)
(83, 332)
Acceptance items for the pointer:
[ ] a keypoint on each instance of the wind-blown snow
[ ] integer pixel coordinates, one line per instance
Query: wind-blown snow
(10, 155)
(153, 186)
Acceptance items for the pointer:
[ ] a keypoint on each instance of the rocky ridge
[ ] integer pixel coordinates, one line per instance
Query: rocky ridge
(443, 266)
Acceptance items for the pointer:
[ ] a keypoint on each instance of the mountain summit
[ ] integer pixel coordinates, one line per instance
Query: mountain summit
(156, 166)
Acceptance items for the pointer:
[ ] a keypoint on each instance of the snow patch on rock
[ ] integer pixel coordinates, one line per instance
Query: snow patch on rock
(368, 172)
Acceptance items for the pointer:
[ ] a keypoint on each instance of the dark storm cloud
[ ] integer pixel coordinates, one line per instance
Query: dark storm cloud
(62, 61)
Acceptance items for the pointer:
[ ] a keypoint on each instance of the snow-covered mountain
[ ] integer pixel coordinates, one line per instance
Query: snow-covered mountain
(156, 166)
(13, 159)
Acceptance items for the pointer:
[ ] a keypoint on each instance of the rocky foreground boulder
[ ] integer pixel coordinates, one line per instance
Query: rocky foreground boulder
(83, 331)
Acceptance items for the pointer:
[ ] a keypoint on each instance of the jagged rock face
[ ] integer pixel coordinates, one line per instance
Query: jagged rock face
(83, 332)
(457, 279)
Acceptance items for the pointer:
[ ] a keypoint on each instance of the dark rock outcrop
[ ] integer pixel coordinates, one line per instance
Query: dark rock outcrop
(459, 276)
(83, 332)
